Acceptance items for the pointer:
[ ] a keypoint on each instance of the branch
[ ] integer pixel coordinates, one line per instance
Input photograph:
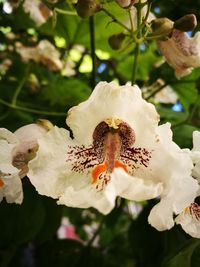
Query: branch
(30, 110)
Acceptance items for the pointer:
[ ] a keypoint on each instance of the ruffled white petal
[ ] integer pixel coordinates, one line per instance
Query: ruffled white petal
(173, 200)
(109, 100)
(87, 196)
(9, 175)
(12, 189)
(134, 188)
(189, 223)
(179, 187)
(80, 192)
(8, 142)
(48, 170)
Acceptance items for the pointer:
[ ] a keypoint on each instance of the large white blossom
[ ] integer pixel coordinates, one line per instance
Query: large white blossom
(181, 52)
(117, 149)
(189, 219)
(16, 149)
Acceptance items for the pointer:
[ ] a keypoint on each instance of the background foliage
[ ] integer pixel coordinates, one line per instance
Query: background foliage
(28, 233)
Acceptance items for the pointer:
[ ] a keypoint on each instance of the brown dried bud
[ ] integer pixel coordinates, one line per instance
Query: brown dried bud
(186, 23)
(87, 8)
(125, 3)
(115, 41)
(162, 26)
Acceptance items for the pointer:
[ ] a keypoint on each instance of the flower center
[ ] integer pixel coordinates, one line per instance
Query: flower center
(193, 210)
(112, 147)
(110, 137)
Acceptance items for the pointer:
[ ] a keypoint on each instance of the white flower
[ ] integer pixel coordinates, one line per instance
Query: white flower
(189, 219)
(195, 155)
(38, 11)
(44, 52)
(181, 52)
(118, 150)
(16, 149)
(166, 94)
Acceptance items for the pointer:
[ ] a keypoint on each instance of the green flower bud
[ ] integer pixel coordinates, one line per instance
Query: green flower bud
(186, 23)
(87, 8)
(162, 27)
(115, 41)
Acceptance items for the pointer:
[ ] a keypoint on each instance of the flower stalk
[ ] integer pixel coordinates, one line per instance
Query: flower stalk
(137, 46)
(92, 46)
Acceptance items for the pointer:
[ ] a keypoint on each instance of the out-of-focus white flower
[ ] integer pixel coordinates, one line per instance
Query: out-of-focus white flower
(67, 230)
(151, 16)
(118, 150)
(16, 149)
(5, 65)
(44, 52)
(195, 155)
(38, 11)
(181, 52)
(189, 219)
(166, 95)
(125, 3)
(68, 68)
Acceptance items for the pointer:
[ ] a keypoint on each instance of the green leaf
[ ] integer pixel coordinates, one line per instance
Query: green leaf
(183, 135)
(184, 256)
(52, 219)
(21, 223)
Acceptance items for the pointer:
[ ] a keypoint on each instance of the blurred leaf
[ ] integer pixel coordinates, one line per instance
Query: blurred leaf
(52, 220)
(21, 223)
(147, 59)
(183, 257)
(145, 241)
(183, 135)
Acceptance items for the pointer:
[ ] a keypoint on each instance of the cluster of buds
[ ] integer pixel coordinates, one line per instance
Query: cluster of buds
(163, 27)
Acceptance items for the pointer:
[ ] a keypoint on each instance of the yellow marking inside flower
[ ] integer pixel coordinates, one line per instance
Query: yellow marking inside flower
(186, 210)
(103, 168)
(1, 183)
(98, 170)
(119, 164)
(113, 123)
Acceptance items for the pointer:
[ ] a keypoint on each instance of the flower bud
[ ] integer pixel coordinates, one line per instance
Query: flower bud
(115, 41)
(162, 26)
(46, 124)
(28, 136)
(125, 3)
(87, 8)
(186, 23)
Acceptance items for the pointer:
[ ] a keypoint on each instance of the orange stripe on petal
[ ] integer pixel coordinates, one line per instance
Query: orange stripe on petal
(119, 164)
(1, 183)
(99, 169)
